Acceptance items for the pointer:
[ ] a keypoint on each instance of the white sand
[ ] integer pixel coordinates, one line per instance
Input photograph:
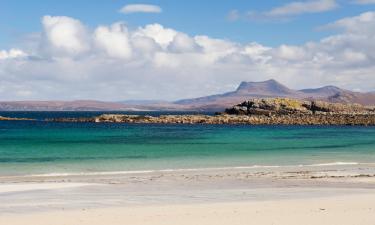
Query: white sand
(9, 188)
(230, 197)
(344, 210)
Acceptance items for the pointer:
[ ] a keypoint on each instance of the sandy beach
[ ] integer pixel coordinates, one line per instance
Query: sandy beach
(344, 210)
(310, 195)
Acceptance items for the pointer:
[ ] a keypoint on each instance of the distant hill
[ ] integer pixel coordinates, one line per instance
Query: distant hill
(353, 97)
(89, 105)
(323, 92)
(272, 88)
(246, 90)
(144, 102)
(79, 105)
(264, 88)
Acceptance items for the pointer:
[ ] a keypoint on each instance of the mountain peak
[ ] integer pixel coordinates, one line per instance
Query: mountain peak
(269, 82)
(264, 88)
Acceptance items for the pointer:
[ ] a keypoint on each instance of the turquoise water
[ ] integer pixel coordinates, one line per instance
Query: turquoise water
(36, 147)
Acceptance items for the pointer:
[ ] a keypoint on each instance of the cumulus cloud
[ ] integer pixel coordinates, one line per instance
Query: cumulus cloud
(140, 8)
(114, 40)
(162, 36)
(64, 35)
(114, 62)
(183, 43)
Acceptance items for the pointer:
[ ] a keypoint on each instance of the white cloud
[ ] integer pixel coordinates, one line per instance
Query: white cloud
(115, 63)
(144, 45)
(290, 53)
(211, 45)
(114, 40)
(296, 8)
(183, 43)
(161, 35)
(64, 35)
(364, 2)
(140, 8)
(12, 54)
(358, 24)
(285, 12)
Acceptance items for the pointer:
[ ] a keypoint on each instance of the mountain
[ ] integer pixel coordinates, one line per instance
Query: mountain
(264, 88)
(338, 95)
(353, 97)
(269, 88)
(323, 92)
(246, 90)
(272, 88)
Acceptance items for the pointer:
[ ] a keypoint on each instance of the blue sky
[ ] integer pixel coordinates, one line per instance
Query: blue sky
(118, 50)
(18, 17)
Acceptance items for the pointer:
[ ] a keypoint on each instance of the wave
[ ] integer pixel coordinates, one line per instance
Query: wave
(196, 169)
(338, 164)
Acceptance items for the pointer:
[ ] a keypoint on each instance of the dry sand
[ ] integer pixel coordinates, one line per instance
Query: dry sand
(349, 210)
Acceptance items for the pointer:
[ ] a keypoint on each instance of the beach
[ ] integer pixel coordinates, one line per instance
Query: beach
(328, 194)
(340, 210)
(117, 173)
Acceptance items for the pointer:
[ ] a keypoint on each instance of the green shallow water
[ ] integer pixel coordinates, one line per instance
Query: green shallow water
(40, 147)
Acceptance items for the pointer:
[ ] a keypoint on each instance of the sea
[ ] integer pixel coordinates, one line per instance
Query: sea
(44, 148)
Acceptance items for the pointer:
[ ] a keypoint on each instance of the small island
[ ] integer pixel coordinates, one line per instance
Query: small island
(272, 111)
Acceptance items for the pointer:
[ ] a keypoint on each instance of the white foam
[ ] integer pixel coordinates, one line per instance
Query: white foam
(336, 164)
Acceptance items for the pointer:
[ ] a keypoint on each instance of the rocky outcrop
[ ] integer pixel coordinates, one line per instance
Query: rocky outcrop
(287, 106)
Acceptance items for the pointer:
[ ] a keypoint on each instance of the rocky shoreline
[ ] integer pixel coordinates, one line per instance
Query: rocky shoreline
(275, 111)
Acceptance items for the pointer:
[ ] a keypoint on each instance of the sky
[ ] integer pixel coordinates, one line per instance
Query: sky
(117, 50)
